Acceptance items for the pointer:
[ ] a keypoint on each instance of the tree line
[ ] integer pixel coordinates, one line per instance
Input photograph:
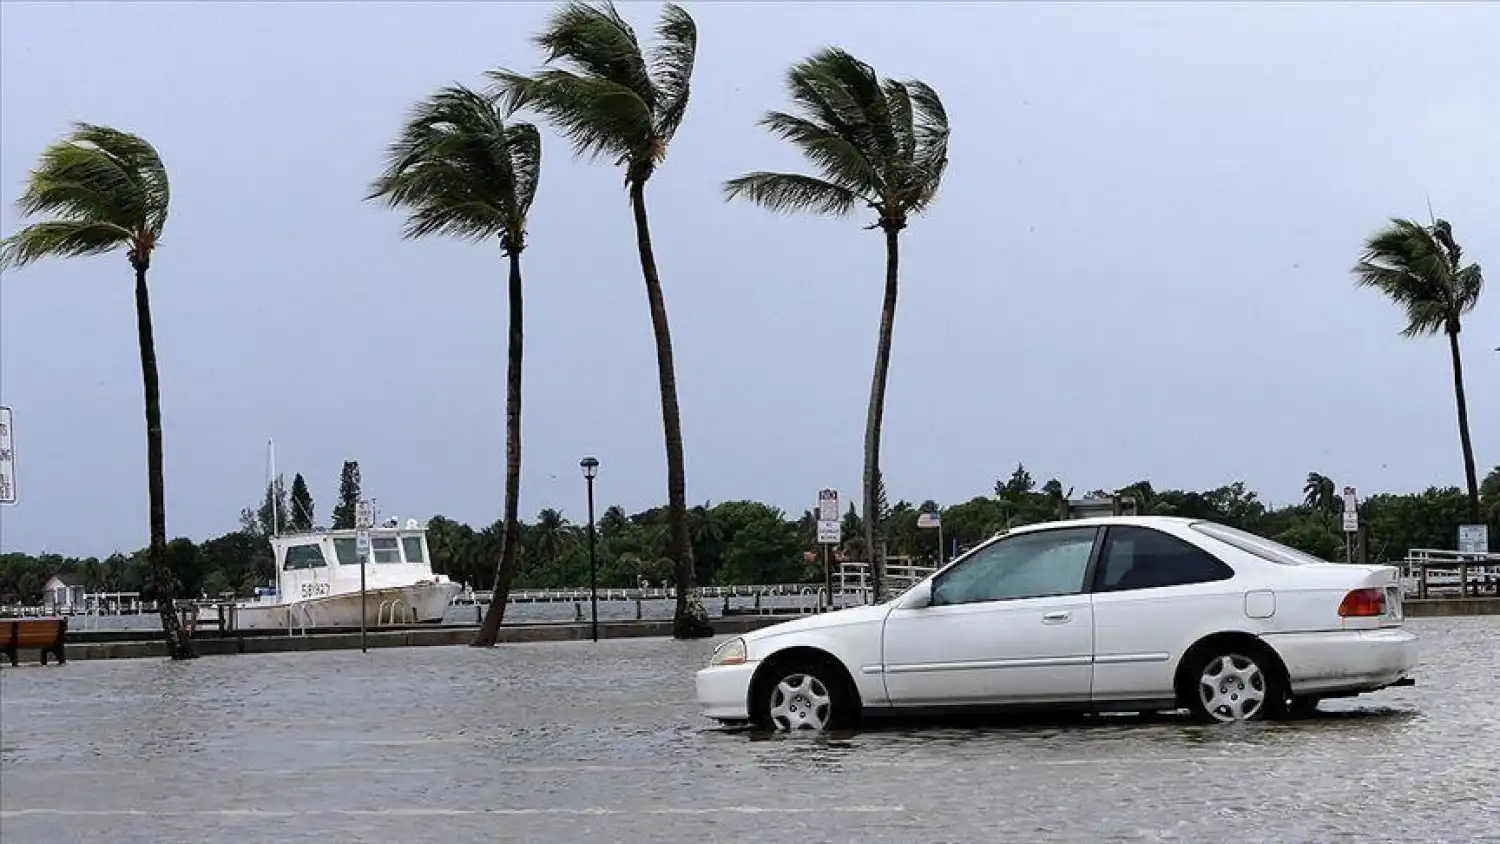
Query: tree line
(466, 163)
(751, 543)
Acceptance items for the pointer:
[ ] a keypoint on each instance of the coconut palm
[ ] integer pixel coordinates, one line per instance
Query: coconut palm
(105, 190)
(1319, 494)
(607, 96)
(876, 144)
(1421, 269)
(459, 170)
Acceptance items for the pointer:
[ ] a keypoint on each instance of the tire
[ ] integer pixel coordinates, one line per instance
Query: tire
(1303, 707)
(1237, 683)
(804, 695)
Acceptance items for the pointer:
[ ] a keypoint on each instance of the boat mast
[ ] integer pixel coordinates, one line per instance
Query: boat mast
(271, 489)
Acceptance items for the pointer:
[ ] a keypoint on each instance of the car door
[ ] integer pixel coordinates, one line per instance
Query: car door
(1154, 595)
(1009, 624)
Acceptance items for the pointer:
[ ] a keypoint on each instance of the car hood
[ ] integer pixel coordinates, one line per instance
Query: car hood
(822, 621)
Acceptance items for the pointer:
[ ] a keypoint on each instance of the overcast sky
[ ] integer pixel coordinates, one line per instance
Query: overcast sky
(1137, 266)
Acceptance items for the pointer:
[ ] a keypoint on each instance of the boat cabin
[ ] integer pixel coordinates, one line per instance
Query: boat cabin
(319, 563)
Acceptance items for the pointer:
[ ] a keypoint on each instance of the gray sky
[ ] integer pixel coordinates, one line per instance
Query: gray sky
(1137, 267)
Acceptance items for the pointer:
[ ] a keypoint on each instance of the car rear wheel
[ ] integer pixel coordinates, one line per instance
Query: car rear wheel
(1235, 686)
(804, 696)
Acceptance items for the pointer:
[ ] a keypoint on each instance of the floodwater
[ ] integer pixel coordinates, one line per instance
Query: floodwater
(580, 742)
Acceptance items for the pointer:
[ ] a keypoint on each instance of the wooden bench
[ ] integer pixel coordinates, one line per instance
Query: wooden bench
(47, 635)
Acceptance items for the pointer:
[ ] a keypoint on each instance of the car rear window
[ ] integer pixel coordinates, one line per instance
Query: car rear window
(1266, 549)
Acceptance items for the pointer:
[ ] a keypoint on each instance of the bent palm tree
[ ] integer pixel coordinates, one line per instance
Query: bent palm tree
(1320, 495)
(612, 100)
(1420, 268)
(108, 189)
(877, 144)
(459, 170)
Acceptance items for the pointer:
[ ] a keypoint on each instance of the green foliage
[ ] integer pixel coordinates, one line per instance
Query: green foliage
(1420, 268)
(346, 510)
(301, 515)
(104, 189)
(459, 170)
(605, 93)
(881, 144)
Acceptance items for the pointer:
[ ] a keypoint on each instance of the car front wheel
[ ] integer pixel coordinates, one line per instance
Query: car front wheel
(1234, 686)
(804, 696)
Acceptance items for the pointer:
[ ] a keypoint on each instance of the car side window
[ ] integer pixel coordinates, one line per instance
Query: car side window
(1026, 565)
(1143, 558)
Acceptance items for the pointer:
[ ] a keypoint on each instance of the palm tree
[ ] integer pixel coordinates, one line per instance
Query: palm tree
(876, 144)
(610, 98)
(1319, 494)
(106, 189)
(553, 533)
(1420, 268)
(460, 170)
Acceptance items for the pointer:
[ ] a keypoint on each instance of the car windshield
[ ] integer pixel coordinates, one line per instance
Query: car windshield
(1266, 549)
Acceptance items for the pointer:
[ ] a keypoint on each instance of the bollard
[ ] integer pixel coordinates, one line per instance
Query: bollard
(637, 606)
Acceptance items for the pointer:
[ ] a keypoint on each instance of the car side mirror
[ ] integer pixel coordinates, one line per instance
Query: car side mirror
(919, 597)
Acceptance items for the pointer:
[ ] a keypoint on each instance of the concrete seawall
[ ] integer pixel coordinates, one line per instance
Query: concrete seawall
(136, 644)
(1439, 607)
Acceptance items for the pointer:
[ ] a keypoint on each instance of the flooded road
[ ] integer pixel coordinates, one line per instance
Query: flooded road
(576, 742)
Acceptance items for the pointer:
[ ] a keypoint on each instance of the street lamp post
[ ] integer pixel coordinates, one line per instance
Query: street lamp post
(590, 468)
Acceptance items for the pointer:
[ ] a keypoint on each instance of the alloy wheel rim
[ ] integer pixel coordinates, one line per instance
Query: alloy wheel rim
(1232, 688)
(801, 702)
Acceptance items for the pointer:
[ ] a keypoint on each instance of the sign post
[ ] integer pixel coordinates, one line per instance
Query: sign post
(363, 519)
(7, 458)
(1351, 522)
(830, 532)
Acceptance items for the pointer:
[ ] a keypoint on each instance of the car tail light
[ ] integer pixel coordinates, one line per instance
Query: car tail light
(1363, 603)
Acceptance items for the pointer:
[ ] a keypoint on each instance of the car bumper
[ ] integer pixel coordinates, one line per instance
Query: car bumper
(724, 691)
(1345, 660)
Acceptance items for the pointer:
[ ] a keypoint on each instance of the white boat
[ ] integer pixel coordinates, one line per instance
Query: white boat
(317, 582)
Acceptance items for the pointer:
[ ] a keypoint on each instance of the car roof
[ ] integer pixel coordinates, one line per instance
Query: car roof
(1099, 521)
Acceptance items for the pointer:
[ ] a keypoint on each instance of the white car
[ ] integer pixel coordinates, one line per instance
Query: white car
(1113, 614)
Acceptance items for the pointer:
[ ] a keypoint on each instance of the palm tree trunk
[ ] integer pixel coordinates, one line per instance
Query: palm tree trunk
(685, 624)
(1463, 429)
(179, 646)
(510, 533)
(876, 414)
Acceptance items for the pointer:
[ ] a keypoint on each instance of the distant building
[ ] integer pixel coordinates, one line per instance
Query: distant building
(63, 592)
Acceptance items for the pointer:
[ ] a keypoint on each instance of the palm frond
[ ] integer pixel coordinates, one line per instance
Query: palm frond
(1417, 268)
(103, 186)
(672, 67)
(61, 239)
(786, 192)
(459, 170)
(839, 160)
(600, 44)
(884, 142)
(597, 116)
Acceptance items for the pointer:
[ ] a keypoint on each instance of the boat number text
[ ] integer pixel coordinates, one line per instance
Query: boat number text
(310, 590)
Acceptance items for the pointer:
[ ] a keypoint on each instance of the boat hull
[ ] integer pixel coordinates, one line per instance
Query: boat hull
(425, 603)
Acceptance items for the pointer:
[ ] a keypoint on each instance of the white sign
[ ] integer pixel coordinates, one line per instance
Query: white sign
(1351, 510)
(929, 520)
(7, 458)
(1473, 539)
(363, 517)
(830, 531)
(362, 543)
(828, 505)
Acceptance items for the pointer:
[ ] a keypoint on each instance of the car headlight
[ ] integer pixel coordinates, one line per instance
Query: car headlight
(731, 652)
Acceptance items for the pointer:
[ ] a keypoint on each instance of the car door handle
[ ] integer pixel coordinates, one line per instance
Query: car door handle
(1056, 617)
